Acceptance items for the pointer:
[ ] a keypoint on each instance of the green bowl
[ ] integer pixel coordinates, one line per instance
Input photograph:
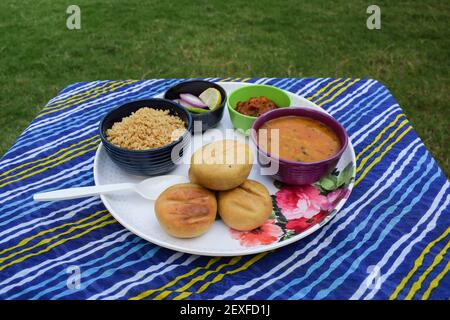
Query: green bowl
(244, 123)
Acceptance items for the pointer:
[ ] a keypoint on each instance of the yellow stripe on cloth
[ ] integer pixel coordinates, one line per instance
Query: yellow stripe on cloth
(381, 156)
(378, 148)
(435, 282)
(183, 293)
(47, 240)
(232, 262)
(113, 88)
(339, 92)
(219, 277)
(378, 137)
(338, 85)
(52, 165)
(70, 102)
(147, 293)
(418, 284)
(23, 242)
(324, 88)
(53, 245)
(163, 295)
(52, 156)
(80, 95)
(417, 264)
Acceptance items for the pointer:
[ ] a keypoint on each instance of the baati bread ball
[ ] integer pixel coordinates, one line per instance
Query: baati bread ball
(192, 177)
(246, 207)
(221, 165)
(186, 210)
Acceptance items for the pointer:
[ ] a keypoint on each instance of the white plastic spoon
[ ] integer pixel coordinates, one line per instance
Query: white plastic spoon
(149, 188)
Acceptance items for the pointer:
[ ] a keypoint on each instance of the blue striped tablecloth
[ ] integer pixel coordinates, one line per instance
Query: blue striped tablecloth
(390, 241)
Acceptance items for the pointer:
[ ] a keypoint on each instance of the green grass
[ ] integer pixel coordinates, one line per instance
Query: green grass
(215, 38)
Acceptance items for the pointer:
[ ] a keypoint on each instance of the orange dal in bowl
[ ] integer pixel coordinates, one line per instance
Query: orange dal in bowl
(300, 139)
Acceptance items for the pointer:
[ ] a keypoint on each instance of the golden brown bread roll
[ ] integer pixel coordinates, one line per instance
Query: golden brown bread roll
(246, 207)
(186, 210)
(221, 165)
(192, 177)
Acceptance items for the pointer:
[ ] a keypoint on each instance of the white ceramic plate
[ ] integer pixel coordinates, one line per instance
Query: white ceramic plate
(137, 214)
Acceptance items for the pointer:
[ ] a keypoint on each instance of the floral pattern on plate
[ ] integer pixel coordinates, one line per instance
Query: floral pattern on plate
(298, 208)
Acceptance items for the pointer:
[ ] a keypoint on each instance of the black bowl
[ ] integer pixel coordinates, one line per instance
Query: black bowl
(149, 162)
(196, 87)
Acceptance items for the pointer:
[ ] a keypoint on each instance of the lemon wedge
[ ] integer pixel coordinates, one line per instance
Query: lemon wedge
(211, 97)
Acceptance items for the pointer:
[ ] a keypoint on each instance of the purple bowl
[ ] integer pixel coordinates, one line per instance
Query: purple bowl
(292, 172)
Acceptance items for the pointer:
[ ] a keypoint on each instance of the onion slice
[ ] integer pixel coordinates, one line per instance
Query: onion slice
(193, 100)
(189, 107)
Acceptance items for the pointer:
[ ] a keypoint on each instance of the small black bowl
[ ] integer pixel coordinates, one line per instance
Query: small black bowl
(149, 162)
(196, 87)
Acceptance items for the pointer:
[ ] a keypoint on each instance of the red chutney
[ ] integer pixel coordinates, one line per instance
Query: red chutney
(255, 106)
